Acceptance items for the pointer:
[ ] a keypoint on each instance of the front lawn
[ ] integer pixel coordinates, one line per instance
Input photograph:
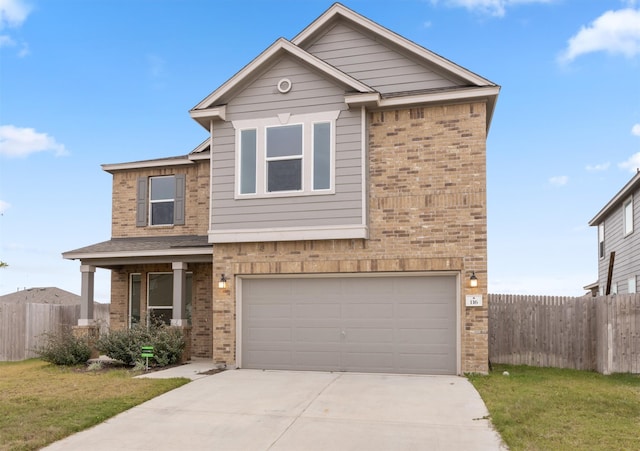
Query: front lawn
(559, 409)
(41, 403)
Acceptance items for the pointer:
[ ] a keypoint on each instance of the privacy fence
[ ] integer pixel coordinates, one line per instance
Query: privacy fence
(587, 333)
(22, 325)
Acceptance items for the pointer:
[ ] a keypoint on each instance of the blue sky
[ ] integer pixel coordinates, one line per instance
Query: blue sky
(106, 81)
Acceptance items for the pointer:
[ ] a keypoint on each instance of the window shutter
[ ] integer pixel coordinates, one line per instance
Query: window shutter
(178, 213)
(141, 202)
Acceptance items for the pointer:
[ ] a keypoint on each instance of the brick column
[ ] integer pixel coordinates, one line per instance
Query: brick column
(179, 294)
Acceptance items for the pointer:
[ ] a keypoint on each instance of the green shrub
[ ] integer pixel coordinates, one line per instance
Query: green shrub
(126, 345)
(63, 348)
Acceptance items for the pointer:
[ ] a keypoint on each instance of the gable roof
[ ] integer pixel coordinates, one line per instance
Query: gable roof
(625, 192)
(273, 52)
(340, 12)
(472, 86)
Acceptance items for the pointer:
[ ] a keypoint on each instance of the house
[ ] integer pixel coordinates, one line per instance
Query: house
(618, 242)
(334, 218)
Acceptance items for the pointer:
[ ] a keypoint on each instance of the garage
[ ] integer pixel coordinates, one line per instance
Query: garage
(380, 323)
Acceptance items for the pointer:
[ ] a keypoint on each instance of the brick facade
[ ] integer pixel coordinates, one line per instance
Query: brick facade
(196, 203)
(427, 212)
(201, 302)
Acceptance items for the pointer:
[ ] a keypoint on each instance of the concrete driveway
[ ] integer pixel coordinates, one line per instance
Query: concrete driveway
(287, 410)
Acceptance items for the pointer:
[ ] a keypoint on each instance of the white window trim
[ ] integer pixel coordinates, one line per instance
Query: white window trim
(261, 125)
(131, 296)
(151, 202)
(149, 307)
(632, 286)
(601, 240)
(627, 203)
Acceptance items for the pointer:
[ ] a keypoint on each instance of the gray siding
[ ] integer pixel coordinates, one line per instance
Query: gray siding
(310, 93)
(379, 66)
(627, 248)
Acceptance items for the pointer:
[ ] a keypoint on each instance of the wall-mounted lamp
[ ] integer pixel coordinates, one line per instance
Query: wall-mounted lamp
(223, 282)
(473, 280)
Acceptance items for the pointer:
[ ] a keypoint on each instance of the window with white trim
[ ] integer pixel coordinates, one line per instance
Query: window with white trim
(162, 196)
(160, 296)
(632, 284)
(628, 216)
(286, 155)
(601, 240)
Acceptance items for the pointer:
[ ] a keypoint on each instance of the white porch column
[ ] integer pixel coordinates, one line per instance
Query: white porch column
(86, 295)
(179, 294)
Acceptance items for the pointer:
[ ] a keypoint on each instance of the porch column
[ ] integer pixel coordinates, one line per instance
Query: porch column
(86, 295)
(179, 294)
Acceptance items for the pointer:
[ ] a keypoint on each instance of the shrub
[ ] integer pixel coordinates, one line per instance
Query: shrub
(64, 348)
(126, 345)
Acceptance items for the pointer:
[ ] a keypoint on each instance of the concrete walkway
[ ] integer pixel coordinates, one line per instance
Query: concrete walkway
(286, 410)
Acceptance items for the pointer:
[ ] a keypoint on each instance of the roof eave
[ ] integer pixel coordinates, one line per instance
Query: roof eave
(622, 194)
(161, 162)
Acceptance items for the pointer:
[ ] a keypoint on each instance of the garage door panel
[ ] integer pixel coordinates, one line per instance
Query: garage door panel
(379, 324)
(317, 334)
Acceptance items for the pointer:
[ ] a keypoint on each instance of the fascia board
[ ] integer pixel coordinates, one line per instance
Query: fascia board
(280, 45)
(147, 164)
(363, 99)
(621, 195)
(412, 47)
(131, 254)
(441, 96)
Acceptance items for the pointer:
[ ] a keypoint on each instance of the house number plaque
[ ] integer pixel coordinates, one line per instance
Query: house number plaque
(474, 300)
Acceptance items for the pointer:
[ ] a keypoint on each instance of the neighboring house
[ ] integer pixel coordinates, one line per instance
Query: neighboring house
(619, 241)
(41, 295)
(333, 220)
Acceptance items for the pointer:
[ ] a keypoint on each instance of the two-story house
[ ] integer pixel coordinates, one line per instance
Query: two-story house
(334, 219)
(618, 242)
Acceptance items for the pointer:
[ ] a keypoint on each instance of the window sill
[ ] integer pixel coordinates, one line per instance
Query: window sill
(276, 195)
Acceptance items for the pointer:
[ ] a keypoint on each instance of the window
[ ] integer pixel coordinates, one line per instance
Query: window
(160, 200)
(628, 216)
(632, 284)
(160, 297)
(134, 298)
(285, 155)
(162, 196)
(601, 240)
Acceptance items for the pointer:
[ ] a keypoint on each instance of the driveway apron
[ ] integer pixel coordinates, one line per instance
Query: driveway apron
(289, 410)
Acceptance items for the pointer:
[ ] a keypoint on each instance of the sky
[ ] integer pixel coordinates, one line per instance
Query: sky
(87, 82)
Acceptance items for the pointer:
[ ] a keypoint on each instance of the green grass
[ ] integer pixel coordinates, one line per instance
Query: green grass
(41, 403)
(559, 409)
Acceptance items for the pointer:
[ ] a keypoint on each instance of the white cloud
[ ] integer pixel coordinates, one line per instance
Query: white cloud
(559, 180)
(493, 7)
(635, 130)
(632, 164)
(13, 13)
(4, 206)
(598, 167)
(615, 32)
(22, 142)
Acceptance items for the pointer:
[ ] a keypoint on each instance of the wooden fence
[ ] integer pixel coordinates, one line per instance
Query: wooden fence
(587, 333)
(22, 325)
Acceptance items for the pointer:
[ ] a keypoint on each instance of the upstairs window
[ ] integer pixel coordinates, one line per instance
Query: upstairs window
(160, 201)
(628, 216)
(285, 155)
(601, 240)
(162, 197)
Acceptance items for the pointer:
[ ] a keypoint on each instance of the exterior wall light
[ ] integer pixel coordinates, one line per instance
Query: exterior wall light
(222, 284)
(473, 280)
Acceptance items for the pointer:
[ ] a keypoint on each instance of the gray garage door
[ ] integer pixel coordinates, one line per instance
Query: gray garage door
(367, 324)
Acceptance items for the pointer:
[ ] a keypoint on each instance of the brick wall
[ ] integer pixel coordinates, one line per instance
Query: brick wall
(427, 212)
(201, 303)
(196, 202)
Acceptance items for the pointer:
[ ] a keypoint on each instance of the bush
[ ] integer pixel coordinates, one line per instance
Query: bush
(64, 348)
(126, 345)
